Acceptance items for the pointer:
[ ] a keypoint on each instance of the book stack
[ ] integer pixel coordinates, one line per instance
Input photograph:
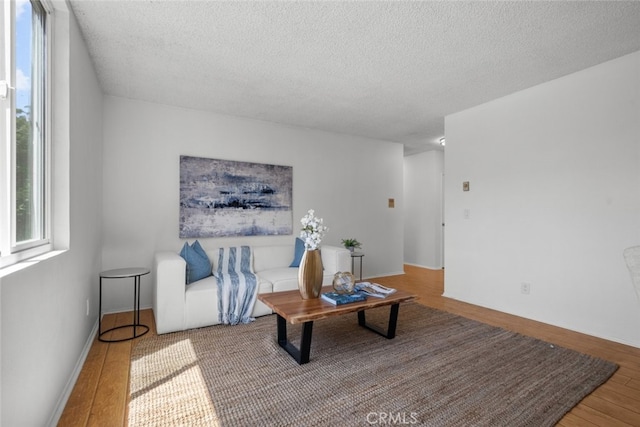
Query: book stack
(340, 299)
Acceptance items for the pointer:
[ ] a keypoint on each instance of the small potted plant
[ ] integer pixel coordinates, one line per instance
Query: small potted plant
(351, 244)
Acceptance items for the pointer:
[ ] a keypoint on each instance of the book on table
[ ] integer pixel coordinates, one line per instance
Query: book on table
(373, 289)
(340, 299)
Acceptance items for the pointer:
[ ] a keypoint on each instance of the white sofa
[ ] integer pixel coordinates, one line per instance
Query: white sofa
(177, 306)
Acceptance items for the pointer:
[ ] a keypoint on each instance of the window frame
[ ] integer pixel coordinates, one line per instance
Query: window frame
(12, 252)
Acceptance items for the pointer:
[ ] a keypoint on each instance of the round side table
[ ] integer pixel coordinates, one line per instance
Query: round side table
(138, 328)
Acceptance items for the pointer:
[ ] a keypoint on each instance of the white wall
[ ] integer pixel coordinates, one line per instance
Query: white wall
(554, 200)
(44, 322)
(423, 209)
(347, 180)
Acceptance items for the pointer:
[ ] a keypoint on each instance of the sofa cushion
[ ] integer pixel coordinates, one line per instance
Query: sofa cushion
(283, 278)
(201, 303)
(298, 252)
(268, 257)
(198, 264)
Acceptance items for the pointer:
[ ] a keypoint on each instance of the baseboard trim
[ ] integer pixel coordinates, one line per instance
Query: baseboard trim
(124, 310)
(563, 325)
(428, 267)
(397, 273)
(66, 393)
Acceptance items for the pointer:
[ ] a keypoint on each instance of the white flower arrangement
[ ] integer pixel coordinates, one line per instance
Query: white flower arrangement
(312, 230)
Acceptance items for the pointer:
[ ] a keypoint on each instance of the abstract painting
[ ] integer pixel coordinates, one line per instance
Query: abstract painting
(229, 198)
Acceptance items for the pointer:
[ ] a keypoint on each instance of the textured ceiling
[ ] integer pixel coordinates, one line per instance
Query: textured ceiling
(384, 70)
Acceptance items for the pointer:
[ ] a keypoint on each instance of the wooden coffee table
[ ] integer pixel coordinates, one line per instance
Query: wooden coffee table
(290, 307)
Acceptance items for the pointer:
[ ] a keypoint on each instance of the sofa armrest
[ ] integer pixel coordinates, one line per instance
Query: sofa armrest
(335, 259)
(170, 271)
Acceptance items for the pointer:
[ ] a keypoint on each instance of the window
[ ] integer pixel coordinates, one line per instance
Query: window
(24, 143)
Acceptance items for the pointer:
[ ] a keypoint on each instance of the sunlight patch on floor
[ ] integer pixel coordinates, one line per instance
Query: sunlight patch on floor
(163, 374)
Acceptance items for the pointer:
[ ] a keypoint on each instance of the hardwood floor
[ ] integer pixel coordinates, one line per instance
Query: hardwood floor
(99, 397)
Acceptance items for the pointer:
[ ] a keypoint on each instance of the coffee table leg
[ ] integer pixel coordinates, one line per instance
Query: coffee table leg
(300, 355)
(391, 328)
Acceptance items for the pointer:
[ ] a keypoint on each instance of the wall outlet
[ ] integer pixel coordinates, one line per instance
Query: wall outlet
(525, 288)
(87, 306)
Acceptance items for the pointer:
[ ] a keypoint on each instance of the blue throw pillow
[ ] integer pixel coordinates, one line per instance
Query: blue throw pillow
(298, 252)
(198, 264)
(196, 247)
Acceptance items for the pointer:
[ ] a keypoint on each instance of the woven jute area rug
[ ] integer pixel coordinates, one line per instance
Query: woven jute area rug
(439, 370)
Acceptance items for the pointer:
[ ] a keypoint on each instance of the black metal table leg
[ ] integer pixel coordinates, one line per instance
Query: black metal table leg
(136, 302)
(300, 355)
(391, 327)
(100, 310)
